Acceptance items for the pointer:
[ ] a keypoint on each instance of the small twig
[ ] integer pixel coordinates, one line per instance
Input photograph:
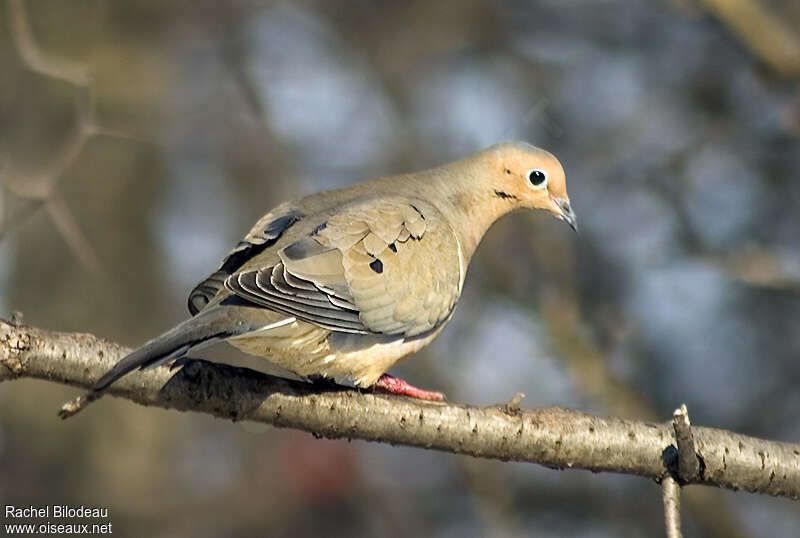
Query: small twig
(671, 495)
(688, 462)
(766, 34)
(759, 266)
(65, 223)
(16, 318)
(32, 55)
(76, 405)
(42, 184)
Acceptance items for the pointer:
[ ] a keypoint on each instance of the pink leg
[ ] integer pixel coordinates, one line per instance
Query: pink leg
(395, 385)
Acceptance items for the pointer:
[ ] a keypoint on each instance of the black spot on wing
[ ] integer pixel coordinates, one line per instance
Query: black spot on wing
(393, 247)
(376, 266)
(279, 225)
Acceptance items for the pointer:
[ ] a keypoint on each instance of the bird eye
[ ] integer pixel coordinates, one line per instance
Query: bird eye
(537, 178)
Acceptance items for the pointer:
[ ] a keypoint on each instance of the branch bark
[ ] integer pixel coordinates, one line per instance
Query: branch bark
(671, 495)
(554, 437)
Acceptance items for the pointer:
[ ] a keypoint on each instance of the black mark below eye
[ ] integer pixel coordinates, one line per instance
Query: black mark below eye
(504, 195)
(376, 266)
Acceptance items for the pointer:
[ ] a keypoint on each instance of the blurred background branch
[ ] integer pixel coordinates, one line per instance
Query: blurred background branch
(39, 188)
(32, 55)
(770, 34)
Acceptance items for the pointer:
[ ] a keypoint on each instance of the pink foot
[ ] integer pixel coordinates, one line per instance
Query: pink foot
(395, 385)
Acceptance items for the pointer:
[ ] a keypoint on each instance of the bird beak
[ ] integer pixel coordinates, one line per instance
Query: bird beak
(565, 212)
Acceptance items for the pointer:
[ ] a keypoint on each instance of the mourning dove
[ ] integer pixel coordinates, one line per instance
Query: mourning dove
(346, 283)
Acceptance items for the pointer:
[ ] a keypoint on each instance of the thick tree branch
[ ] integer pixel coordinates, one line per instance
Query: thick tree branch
(553, 437)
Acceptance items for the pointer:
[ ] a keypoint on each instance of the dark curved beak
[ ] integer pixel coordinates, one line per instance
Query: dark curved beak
(567, 215)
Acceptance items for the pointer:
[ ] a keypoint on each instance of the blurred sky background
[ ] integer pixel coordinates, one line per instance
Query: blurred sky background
(140, 139)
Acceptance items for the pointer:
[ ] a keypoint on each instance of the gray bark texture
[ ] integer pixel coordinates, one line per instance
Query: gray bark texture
(672, 507)
(553, 437)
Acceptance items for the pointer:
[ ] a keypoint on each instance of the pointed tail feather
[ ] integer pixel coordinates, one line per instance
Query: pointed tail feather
(210, 325)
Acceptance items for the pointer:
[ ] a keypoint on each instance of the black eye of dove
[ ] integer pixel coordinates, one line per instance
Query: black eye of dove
(537, 177)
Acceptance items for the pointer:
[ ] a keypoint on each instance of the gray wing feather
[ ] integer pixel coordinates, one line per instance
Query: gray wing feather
(263, 234)
(257, 287)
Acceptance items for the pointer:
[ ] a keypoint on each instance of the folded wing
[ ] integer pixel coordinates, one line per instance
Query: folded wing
(263, 234)
(389, 265)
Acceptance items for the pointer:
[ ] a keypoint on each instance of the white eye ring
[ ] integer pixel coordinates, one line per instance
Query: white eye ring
(537, 178)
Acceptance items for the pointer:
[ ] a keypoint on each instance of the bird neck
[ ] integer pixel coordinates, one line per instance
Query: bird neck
(464, 193)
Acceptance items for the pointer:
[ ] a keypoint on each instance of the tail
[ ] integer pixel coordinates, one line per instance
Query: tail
(213, 324)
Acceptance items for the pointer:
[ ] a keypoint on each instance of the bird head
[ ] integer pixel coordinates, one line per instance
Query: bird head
(530, 177)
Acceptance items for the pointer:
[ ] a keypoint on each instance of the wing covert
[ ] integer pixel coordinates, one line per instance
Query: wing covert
(381, 265)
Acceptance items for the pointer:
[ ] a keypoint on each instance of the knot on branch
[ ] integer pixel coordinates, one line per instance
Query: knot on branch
(512, 407)
(13, 344)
